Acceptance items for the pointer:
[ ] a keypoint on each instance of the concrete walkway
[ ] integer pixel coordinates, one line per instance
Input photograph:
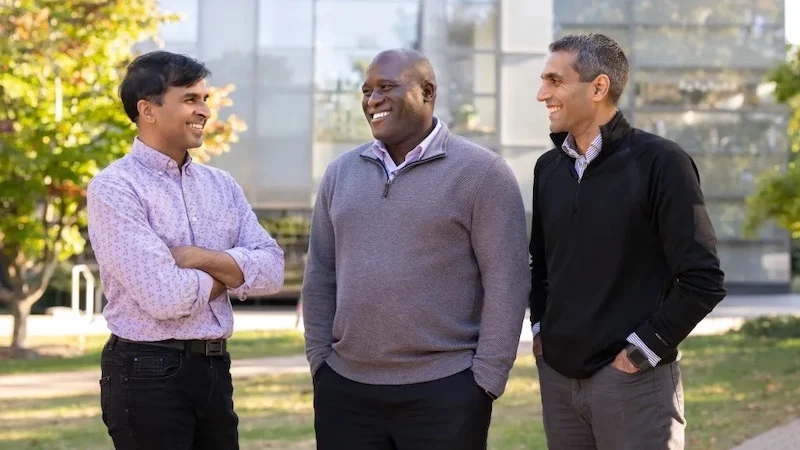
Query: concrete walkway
(786, 437)
(65, 384)
(728, 315)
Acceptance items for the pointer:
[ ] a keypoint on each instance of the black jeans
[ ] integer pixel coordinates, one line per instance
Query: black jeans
(451, 413)
(157, 398)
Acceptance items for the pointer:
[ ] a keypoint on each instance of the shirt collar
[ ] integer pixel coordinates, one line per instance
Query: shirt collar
(418, 152)
(571, 148)
(154, 159)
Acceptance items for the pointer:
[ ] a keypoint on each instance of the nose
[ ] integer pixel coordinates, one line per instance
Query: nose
(203, 110)
(543, 95)
(375, 98)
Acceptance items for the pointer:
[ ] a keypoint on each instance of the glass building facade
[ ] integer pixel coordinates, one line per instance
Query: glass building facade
(697, 78)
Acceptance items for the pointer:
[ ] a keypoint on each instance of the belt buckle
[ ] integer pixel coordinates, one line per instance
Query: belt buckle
(214, 347)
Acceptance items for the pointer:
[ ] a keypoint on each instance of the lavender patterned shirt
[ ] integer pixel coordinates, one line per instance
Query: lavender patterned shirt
(141, 206)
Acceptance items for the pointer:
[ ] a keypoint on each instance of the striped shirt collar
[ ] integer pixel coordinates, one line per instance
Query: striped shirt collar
(571, 148)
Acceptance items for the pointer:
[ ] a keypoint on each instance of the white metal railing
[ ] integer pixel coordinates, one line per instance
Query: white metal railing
(77, 271)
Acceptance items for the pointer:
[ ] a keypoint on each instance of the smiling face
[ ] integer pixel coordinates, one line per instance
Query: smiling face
(397, 99)
(569, 101)
(178, 121)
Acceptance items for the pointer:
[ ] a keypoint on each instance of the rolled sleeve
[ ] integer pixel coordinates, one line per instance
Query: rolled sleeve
(256, 253)
(243, 261)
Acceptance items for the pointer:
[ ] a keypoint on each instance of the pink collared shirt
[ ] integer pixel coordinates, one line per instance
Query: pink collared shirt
(141, 206)
(411, 157)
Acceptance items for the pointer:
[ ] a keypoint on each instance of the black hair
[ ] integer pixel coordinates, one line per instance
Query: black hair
(151, 74)
(597, 54)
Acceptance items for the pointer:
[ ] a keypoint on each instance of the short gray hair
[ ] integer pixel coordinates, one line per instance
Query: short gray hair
(597, 54)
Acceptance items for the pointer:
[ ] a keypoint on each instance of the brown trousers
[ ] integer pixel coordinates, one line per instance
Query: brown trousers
(613, 410)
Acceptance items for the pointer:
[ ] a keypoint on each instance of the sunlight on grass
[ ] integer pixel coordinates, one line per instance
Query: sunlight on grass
(245, 344)
(730, 396)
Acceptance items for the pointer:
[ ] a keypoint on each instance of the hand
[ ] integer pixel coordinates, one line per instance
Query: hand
(217, 289)
(537, 346)
(186, 256)
(622, 363)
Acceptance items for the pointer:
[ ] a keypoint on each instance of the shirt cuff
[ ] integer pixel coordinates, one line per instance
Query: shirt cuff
(204, 285)
(536, 328)
(634, 339)
(242, 260)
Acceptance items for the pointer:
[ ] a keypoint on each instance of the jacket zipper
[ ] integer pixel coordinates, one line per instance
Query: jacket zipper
(389, 180)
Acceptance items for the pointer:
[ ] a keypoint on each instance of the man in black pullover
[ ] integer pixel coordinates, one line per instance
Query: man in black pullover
(624, 261)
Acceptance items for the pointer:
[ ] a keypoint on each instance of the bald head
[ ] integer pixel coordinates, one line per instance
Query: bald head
(399, 92)
(413, 62)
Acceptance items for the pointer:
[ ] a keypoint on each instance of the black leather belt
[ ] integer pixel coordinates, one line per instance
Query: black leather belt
(209, 347)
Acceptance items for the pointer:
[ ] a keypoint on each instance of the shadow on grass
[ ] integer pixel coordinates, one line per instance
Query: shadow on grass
(735, 387)
(69, 354)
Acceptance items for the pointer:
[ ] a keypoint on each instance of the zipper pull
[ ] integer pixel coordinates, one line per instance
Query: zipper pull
(386, 188)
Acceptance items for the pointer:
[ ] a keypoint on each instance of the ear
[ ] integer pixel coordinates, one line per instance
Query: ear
(601, 87)
(145, 109)
(428, 91)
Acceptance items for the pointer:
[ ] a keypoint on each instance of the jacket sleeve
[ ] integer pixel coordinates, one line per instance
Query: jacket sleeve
(498, 241)
(319, 281)
(689, 245)
(537, 300)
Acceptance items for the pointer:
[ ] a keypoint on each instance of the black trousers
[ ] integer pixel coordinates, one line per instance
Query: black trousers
(158, 398)
(452, 413)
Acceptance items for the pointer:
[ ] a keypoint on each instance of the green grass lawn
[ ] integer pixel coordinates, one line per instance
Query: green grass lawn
(735, 388)
(245, 344)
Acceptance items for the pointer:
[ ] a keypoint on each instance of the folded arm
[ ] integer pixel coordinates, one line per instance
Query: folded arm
(132, 254)
(255, 265)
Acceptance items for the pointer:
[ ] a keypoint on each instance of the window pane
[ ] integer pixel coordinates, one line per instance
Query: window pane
(283, 24)
(751, 133)
(341, 70)
(739, 47)
(474, 72)
(755, 263)
(281, 172)
(703, 12)
(368, 25)
(527, 27)
(524, 120)
(733, 175)
(591, 11)
(473, 116)
(729, 217)
(713, 89)
(283, 114)
(185, 30)
(286, 69)
(234, 31)
(468, 26)
(338, 116)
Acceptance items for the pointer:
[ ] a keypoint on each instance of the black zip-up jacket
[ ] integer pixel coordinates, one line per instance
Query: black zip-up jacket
(629, 247)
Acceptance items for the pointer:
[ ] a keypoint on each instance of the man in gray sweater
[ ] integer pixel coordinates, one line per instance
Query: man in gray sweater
(416, 283)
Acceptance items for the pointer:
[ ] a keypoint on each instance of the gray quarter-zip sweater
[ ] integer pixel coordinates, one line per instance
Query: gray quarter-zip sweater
(422, 277)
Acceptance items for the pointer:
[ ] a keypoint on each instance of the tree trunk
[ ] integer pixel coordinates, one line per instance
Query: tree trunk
(20, 310)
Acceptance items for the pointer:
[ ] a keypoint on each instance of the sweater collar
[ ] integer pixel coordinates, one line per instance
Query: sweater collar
(434, 150)
(612, 133)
